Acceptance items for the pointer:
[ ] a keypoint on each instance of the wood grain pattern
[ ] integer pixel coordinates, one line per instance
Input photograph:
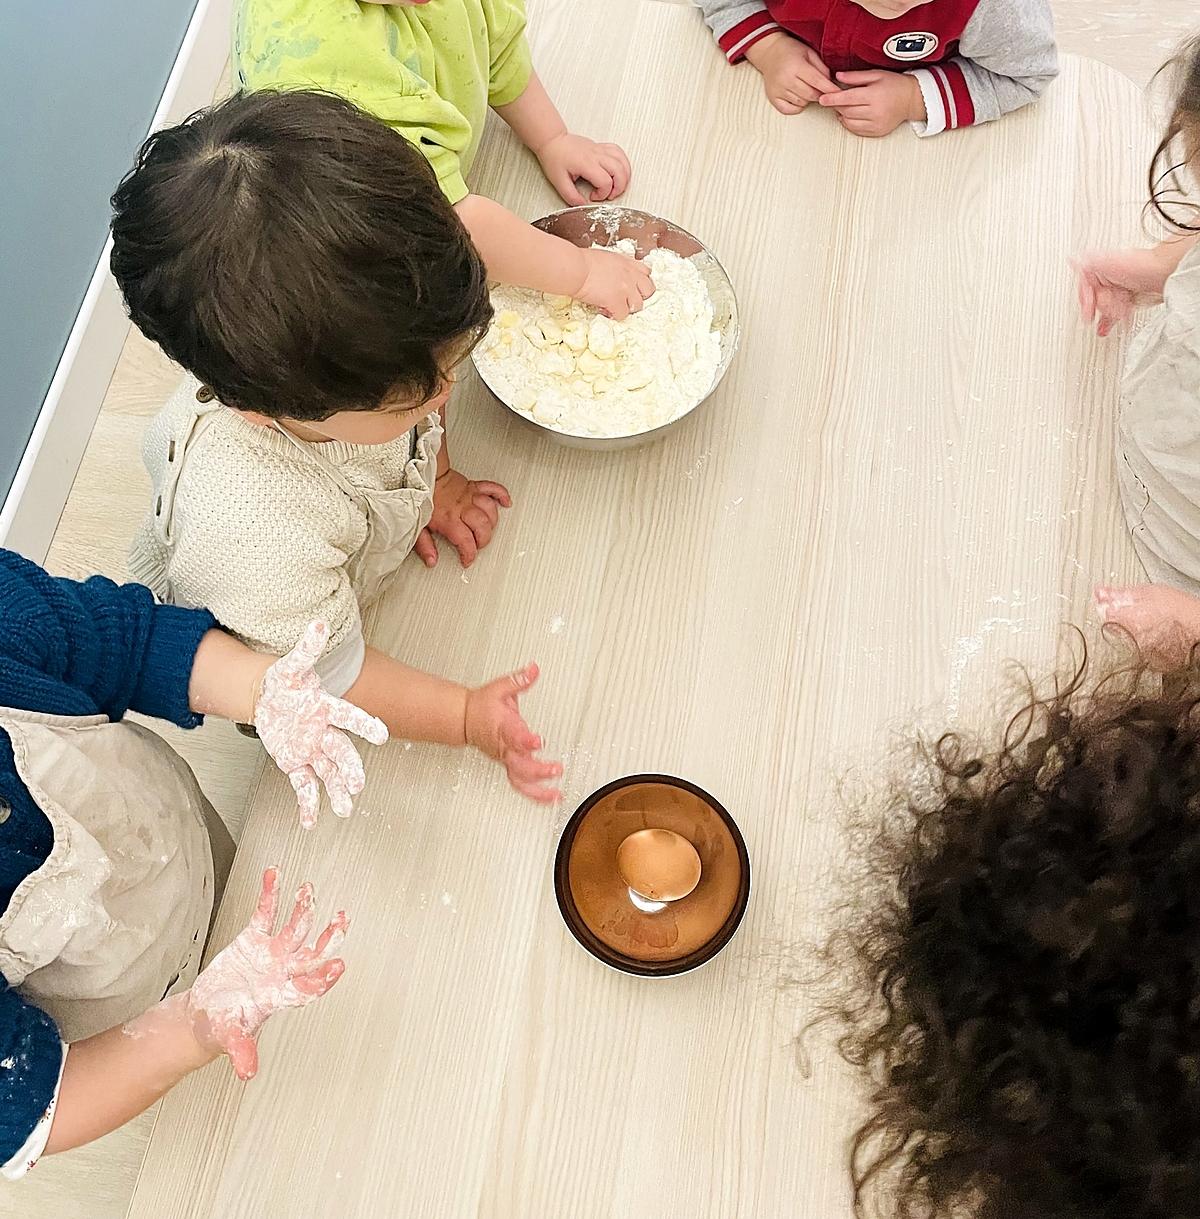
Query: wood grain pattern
(905, 479)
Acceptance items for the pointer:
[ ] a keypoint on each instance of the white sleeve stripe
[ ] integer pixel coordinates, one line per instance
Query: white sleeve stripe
(749, 38)
(27, 1156)
(950, 102)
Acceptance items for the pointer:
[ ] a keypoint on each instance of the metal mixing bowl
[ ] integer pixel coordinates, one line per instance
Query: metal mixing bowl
(606, 224)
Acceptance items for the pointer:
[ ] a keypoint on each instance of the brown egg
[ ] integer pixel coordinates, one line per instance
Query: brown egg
(659, 865)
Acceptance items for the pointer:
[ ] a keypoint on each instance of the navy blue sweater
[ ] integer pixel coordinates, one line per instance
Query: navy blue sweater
(70, 648)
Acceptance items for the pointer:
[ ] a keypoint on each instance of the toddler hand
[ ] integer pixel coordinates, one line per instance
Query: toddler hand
(1164, 622)
(298, 722)
(615, 284)
(494, 726)
(1112, 284)
(793, 73)
(569, 158)
(876, 103)
(260, 973)
(465, 513)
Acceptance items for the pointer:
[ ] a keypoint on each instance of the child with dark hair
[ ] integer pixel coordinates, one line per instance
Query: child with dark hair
(881, 63)
(298, 259)
(431, 71)
(1021, 987)
(1158, 446)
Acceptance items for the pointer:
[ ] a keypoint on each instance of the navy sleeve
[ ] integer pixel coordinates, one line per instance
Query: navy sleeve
(30, 1060)
(80, 648)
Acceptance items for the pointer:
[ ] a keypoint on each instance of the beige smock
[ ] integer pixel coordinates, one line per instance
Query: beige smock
(269, 531)
(118, 914)
(1158, 435)
(395, 517)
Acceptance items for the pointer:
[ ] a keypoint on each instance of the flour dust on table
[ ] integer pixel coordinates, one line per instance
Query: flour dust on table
(571, 369)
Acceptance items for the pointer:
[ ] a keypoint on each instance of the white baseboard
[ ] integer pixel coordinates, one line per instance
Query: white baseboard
(43, 481)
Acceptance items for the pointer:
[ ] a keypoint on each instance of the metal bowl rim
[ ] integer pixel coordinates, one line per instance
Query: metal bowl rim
(735, 341)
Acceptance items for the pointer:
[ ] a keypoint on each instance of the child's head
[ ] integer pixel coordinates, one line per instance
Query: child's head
(1179, 150)
(1026, 969)
(297, 256)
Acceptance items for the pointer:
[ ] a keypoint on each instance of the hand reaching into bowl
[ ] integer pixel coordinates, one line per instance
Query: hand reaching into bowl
(614, 284)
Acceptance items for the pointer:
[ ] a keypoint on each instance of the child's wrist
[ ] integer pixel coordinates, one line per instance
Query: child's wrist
(757, 51)
(538, 145)
(465, 719)
(917, 110)
(578, 276)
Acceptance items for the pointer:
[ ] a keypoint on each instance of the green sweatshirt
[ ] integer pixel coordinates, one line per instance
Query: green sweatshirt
(430, 71)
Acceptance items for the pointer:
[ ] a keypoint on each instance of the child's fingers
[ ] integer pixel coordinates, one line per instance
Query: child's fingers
(868, 77)
(331, 938)
(263, 919)
(536, 791)
(482, 521)
(308, 794)
(600, 178)
(495, 491)
(295, 930)
(1087, 297)
(816, 79)
(318, 981)
(479, 525)
(520, 738)
(243, 1053)
(846, 99)
(785, 107)
(350, 718)
(339, 750)
(564, 183)
(340, 799)
(425, 548)
(488, 507)
(617, 163)
(306, 652)
(527, 769)
(463, 540)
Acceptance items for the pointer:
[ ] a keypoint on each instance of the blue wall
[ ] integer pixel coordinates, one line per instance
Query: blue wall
(81, 80)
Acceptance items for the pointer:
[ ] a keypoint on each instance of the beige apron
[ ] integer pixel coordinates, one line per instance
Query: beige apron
(1158, 434)
(394, 518)
(118, 914)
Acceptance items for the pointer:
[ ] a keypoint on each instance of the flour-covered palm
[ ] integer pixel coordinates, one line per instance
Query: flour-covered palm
(261, 973)
(298, 722)
(1164, 622)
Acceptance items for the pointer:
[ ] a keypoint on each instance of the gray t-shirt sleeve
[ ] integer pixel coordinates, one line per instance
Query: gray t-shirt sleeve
(1009, 55)
(723, 16)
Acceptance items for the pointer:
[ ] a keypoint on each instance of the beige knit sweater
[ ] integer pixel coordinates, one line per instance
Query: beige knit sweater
(243, 523)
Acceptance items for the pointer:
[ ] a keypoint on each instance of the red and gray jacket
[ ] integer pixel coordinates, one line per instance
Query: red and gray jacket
(974, 59)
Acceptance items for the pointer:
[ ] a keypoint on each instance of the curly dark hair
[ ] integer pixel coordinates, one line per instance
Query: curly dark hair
(1023, 985)
(1168, 197)
(298, 256)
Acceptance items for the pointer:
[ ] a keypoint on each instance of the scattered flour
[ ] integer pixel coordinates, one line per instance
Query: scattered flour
(571, 369)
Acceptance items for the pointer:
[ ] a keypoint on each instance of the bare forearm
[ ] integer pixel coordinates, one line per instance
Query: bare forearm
(414, 705)
(226, 676)
(533, 117)
(517, 253)
(1170, 253)
(112, 1077)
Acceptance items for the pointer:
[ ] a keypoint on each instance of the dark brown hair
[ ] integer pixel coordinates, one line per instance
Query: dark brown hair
(1020, 984)
(1166, 191)
(297, 256)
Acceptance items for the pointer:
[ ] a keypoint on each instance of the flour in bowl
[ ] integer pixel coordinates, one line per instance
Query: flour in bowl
(572, 369)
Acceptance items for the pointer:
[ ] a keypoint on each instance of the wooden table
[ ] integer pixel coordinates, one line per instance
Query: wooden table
(906, 477)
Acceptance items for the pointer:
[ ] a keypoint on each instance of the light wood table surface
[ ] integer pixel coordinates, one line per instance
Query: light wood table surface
(905, 478)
